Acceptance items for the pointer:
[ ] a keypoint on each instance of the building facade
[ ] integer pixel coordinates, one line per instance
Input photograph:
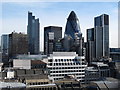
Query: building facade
(115, 54)
(62, 64)
(18, 44)
(52, 34)
(4, 48)
(101, 36)
(5, 43)
(33, 34)
(90, 45)
(91, 74)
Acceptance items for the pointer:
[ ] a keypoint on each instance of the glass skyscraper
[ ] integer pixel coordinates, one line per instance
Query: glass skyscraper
(73, 26)
(5, 43)
(33, 34)
(73, 35)
(102, 36)
(90, 45)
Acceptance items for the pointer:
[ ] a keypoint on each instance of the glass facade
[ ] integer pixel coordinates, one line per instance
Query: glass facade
(72, 25)
(33, 34)
(73, 35)
(102, 36)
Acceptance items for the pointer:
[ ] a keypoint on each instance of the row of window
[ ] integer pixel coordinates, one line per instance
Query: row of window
(42, 88)
(64, 60)
(38, 83)
(62, 64)
(57, 75)
(54, 68)
(67, 71)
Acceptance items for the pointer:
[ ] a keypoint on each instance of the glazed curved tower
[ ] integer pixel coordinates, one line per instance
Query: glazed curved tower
(73, 35)
(73, 26)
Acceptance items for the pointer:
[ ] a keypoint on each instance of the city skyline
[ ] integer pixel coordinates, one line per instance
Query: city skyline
(60, 13)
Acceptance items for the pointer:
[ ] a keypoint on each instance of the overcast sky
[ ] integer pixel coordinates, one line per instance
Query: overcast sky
(14, 16)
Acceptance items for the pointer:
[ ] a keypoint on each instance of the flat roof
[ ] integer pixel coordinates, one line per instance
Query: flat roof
(12, 85)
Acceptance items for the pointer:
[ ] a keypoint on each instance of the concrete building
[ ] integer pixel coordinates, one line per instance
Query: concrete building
(92, 74)
(62, 64)
(28, 64)
(18, 44)
(33, 31)
(101, 27)
(51, 36)
(103, 69)
(73, 35)
(97, 71)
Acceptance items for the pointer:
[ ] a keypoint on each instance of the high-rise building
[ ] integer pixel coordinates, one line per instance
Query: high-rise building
(33, 34)
(18, 44)
(5, 43)
(90, 45)
(101, 36)
(51, 36)
(5, 48)
(73, 35)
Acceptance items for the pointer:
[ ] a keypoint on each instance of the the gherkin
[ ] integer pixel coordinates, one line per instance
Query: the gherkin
(72, 26)
(73, 35)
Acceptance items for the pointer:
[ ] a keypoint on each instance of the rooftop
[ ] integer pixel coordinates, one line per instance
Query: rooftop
(64, 54)
(11, 85)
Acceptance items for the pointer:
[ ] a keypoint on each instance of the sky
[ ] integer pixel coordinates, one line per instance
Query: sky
(14, 16)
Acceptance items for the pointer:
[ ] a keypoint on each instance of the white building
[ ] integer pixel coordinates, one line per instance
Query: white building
(22, 64)
(28, 64)
(61, 64)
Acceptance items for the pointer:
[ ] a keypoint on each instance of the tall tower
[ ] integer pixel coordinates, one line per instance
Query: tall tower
(90, 45)
(102, 36)
(73, 35)
(33, 34)
(5, 43)
(5, 48)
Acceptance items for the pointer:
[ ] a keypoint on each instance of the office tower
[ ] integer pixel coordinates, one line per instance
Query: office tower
(73, 35)
(5, 43)
(5, 47)
(63, 64)
(51, 36)
(90, 45)
(18, 44)
(33, 34)
(102, 36)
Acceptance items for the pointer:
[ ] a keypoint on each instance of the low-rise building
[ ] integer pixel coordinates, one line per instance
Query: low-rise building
(115, 53)
(61, 64)
(102, 68)
(92, 74)
(28, 64)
